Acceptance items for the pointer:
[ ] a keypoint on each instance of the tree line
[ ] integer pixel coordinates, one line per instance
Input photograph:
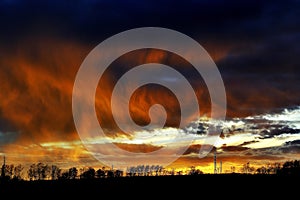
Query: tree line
(42, 171)
(287, 168)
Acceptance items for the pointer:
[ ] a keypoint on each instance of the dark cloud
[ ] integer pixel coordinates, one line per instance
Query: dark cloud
(294, 142)
(263, 127)
(272, 132)
(290, 147)
(234, 148)
(268, 69)
(232, 130)
(295, 149)
(194, 149)
(285, 150)
(248, 142)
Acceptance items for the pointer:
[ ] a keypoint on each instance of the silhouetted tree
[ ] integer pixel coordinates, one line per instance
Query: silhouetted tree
(194, 171)
(64, 175)
(73, 173)
(110, 174)
(261, 170)
(43, 171)
(88, 173)
(38, 171)
(179, 172)
(290, 168)
(276, 167)
(32, 172)
(100, 173)
(131, 171)
(118, 173)
(140, 170)
(147, 170)
(247, 169)
(55, 172)
(7, 171)
(159, 169)
(17, 172)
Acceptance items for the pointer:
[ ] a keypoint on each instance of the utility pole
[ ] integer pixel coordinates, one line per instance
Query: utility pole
(215, 163)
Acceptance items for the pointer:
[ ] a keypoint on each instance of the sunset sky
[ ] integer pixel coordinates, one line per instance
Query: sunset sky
(255, 45)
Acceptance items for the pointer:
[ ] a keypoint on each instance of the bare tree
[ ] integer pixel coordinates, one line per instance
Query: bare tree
(39, 171)
(140, 170)
(43, 171)
(18, 172)
(55, 172)
(261, 170)
(32, 172)
(194, 171)
(73, 173)
(131, 171)
(247, 169)
(147, 170)
(9, 170)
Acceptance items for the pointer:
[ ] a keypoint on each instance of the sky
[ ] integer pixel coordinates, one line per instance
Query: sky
(254, 44)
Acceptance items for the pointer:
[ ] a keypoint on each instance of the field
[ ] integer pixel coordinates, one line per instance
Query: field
(151, 186)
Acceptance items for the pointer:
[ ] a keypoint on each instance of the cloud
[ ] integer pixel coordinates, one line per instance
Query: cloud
(295, 149)
(36, 87)
(74, 155)
(266, 125)
(37, 82)
(291, 147)
(272, 132)
(248, 142)
(294, 142)
(234, 148)
(242, 57)
(8, 137)
(267, 158)
(146, 96)
(138, 148)
(195, 149)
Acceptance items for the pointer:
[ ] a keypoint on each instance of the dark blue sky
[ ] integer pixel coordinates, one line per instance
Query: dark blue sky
(95, 20)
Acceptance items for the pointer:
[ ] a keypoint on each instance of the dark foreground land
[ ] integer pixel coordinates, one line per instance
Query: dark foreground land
(234, 185)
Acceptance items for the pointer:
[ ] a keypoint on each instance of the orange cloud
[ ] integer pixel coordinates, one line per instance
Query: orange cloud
(144, 97)
(36, 88)
(138, 148)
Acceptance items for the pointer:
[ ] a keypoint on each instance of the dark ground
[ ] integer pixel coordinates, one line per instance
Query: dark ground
(235, 186)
